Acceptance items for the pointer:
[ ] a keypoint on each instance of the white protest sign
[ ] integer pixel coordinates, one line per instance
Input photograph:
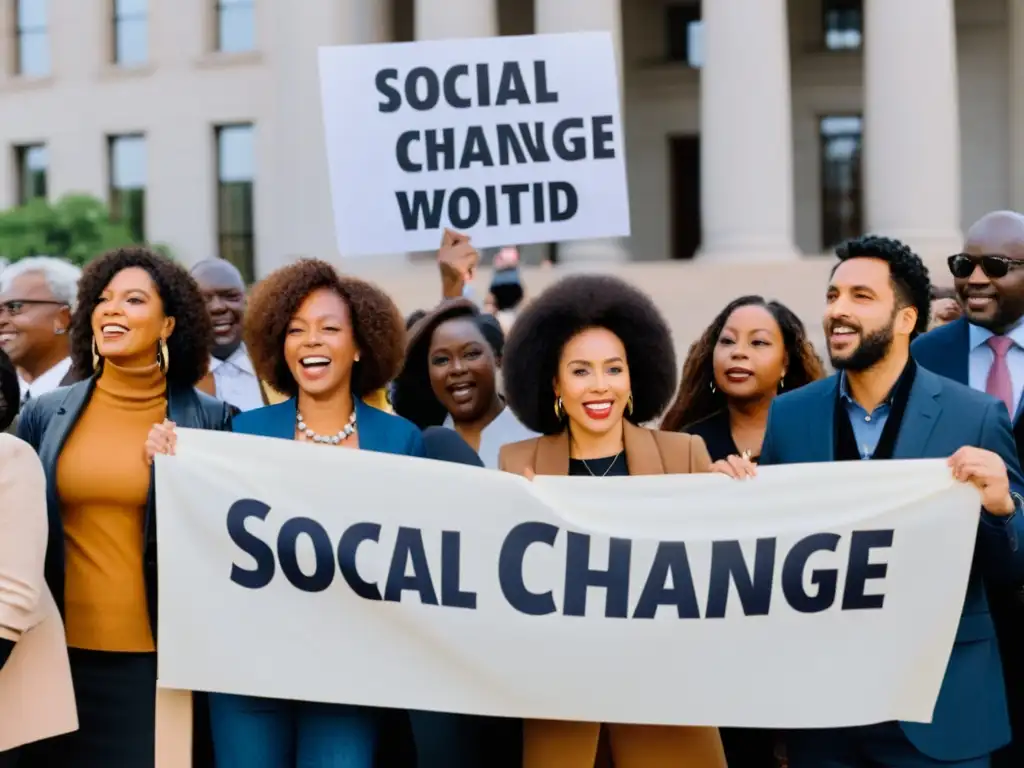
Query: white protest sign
(812, 596)
(512, 140)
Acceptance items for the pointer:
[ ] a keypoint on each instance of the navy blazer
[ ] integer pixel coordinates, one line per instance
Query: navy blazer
(970, 718)
(47, 422)
(378, 431)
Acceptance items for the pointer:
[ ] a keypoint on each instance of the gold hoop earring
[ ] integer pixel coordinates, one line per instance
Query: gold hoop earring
(559, 409)
(97, 361)
(163, 356)
(629, 404)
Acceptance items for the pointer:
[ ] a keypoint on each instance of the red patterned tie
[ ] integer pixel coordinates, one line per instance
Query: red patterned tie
(999, 383)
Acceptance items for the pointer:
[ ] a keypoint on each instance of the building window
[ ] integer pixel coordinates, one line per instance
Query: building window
(131, 33)
(127, 173)
(843, 24)
(236, 25)
(32, 38)
(685, 31)
(31, 161)
(235, 177)
(841, 190)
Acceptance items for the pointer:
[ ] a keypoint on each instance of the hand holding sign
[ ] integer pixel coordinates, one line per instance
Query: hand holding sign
(458, 260)
(987, 472)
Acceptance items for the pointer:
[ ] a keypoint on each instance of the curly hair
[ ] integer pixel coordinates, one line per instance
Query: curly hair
(412, 395)
(696, 400)
(10, 391)
(570, 306)
(191, 340)
(377, 325)
(908, 274)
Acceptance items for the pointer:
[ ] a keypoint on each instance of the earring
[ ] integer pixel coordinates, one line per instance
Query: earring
(163, 356)
(59, 331)
(782, 382)
(713, 388)
(559, 409)
(629, 404)
(97, 361)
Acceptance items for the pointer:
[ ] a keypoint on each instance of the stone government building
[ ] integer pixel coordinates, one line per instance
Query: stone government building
(758, 132)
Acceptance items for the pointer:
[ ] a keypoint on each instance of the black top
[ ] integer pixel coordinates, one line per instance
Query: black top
(608, 466)
(716, 432)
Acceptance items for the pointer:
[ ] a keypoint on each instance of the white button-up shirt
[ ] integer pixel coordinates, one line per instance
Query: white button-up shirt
(47, 382)
(236, 382)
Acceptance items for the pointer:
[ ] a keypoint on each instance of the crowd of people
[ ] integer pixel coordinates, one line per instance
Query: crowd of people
(99, 368)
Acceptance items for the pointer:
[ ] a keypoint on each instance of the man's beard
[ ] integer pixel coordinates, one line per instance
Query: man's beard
(872, 349)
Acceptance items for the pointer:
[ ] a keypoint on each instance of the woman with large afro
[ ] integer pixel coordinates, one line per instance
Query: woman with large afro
(586, 363)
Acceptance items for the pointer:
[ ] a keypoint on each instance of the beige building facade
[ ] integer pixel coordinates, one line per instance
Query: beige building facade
(757, 131)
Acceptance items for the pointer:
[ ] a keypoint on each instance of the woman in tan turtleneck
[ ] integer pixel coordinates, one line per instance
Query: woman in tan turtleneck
(141, 336)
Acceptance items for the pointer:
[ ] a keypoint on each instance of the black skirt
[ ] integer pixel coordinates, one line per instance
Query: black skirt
(116, 698)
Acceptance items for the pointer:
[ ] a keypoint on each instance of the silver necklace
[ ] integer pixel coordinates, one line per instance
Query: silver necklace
(348, 430)
(614, 461)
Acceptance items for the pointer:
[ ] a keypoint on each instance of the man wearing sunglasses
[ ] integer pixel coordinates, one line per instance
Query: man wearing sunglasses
(37, 296)
(985, 349)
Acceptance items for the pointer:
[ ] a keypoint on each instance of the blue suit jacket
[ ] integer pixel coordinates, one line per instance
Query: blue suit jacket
(941, 416)
(378, 431)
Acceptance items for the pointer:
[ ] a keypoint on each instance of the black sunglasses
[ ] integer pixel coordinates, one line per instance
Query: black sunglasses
(962, 265)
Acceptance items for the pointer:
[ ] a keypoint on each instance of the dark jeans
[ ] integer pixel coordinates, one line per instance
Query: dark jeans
(252, 732)
(116, 698)
(871, 746)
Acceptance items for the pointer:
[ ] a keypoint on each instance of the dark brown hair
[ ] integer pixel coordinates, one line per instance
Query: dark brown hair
(377, 324)
(572, 305)
(696, 400)
(190, 342)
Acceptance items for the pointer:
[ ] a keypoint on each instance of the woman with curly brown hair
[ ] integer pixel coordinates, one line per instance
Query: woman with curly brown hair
(140, 337)
(326, 341)
(587, 362)
(753, 350)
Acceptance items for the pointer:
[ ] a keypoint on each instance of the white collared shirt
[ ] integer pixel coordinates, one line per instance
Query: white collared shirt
(47, 382)
(981, 357)
(505, 429)
(236, 382)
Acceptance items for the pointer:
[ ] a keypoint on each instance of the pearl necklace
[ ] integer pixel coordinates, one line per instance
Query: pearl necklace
(344, 434)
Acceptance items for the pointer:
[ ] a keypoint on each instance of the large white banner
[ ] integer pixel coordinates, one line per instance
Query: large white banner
(811, 596)
(513, 140)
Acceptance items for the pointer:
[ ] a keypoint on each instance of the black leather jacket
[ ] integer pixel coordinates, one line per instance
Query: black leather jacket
(46, 424)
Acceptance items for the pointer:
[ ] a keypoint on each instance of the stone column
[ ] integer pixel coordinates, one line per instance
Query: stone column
(297, 194)
(911, 124)
(1016, 10)
(553, 16)
(448, 19)
(746, 132)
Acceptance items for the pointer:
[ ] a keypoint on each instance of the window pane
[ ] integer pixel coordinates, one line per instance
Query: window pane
(236, 27)
(131, 41)
(32, 14)
(841, 195)
(128, 162)
(843, 24)
(33, 54)
(32, 162)
(124, 8)
(695, 41)
(235, 157)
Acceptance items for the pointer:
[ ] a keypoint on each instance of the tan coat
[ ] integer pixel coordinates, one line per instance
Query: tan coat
(562, 744)
(36, 695)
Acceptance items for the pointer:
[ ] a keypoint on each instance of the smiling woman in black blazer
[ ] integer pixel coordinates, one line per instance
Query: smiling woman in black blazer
(141, 337)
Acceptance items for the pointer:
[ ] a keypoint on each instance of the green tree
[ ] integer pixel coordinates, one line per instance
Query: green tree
(77, 227)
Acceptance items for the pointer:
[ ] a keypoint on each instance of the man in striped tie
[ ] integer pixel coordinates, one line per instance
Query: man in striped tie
(985, 349)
